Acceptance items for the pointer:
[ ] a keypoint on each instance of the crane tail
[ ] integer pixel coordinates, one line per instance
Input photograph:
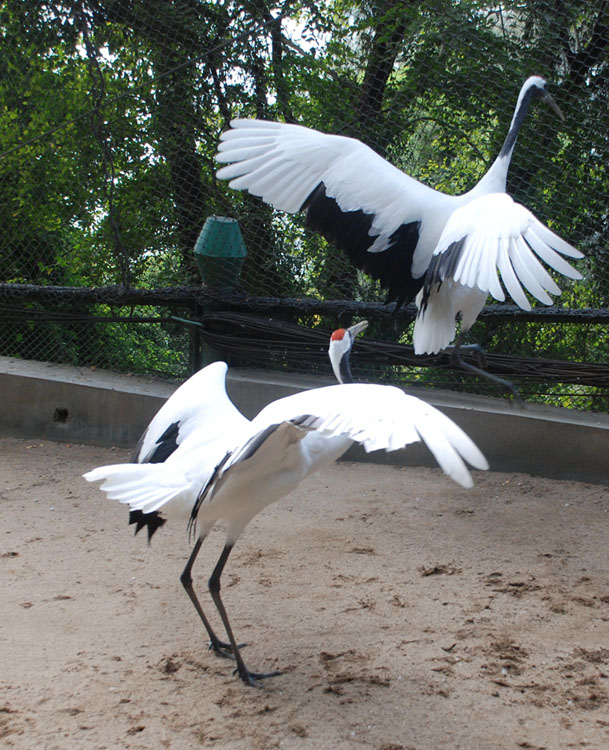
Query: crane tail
(143, 487)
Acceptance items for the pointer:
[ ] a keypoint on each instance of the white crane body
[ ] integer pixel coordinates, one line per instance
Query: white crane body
(213, 464)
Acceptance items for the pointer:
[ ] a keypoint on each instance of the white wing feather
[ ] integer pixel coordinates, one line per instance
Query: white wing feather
(491, 234)
(379, 418)
(148, 487)
(283, 163)
(199, 405)
(500, 234)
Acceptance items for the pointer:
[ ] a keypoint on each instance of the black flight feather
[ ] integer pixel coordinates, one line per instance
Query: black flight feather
(442, 266)
(349, 231)
(165, 446)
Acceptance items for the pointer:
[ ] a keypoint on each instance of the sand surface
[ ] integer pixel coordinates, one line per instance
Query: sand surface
(403, 612)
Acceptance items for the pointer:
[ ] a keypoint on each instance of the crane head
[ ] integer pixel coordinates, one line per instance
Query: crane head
(341, 342)
(540, 86)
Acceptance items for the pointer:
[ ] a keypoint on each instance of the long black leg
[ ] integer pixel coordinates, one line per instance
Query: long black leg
(220, 647)
(457, 359)
(250, 678)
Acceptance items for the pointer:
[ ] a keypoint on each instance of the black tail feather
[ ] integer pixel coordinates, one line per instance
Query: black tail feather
(152, 521)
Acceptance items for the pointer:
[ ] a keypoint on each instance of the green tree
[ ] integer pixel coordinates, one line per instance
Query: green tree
(111, 110)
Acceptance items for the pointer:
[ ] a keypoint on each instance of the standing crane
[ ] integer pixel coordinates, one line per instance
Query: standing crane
(408, 236)
(214, 464)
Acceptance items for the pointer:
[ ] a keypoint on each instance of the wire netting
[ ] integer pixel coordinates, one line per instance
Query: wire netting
(110, 115)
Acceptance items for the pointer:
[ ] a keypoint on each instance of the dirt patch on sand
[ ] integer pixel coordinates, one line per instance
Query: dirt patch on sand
(403, 612)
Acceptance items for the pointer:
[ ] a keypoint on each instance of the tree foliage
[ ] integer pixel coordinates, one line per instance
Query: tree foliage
(110, 113)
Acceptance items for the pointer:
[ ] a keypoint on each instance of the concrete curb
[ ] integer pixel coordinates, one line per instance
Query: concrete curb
(81, 405)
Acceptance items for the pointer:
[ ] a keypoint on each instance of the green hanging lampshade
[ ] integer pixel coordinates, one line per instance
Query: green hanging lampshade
(220, 251)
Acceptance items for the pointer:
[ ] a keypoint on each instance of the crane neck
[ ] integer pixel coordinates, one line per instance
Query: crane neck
(344, 375)
(494, 181)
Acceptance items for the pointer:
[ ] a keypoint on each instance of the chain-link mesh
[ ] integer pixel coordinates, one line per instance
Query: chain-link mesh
(110, 115)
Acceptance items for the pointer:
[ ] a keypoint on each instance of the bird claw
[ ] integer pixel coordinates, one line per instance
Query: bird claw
(478, 352)
(252, 678)
(225, 650)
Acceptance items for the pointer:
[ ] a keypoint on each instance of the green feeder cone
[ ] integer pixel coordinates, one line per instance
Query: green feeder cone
(220, 252)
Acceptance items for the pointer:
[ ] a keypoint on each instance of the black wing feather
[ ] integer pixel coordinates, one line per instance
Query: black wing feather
(165, 446)
(350, 232)
(441, 267)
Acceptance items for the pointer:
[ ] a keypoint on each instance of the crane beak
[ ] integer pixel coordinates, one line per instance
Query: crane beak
(551, 102)
(356, 329)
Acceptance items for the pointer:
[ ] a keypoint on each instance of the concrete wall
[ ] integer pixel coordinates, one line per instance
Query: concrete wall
(81, 405)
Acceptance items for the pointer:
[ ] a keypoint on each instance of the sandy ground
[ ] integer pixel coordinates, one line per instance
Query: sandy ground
(403, 612)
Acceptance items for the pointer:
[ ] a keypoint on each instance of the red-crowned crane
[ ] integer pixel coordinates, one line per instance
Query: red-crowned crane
(217, 465)
(399, 231)
(339, 351)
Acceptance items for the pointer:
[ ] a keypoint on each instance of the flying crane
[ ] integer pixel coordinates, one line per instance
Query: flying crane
(445, 250)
